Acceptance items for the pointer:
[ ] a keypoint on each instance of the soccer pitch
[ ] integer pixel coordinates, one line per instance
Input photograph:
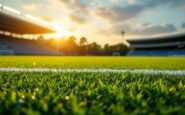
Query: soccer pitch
(83, 92)
(157, 63)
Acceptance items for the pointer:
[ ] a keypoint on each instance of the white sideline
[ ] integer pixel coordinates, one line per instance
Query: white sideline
(141, 71)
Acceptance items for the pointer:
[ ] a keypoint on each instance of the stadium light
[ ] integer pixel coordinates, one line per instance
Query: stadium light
(123, 34)
(11, 10)
(1, 5)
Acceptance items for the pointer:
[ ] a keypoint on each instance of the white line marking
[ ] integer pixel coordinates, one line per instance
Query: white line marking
(141, 71)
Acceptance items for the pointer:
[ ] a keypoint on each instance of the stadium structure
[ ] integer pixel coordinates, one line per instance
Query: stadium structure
(14, 25)
(173, 45)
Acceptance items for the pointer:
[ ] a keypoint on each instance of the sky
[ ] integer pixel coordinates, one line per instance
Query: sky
(103, 20)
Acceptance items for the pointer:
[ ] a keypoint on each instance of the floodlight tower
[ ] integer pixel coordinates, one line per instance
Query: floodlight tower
(123, 35)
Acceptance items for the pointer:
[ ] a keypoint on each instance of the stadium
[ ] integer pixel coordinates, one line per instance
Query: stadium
(14, 26)
(39, 76)
(173, 45)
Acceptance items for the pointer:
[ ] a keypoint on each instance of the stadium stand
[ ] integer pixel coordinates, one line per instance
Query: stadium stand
(162, 46)
(14, 22)
(19, 46)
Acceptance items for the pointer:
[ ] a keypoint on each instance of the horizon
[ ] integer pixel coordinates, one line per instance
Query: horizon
(136, 21)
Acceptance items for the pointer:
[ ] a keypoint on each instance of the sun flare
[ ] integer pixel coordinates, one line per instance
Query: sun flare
(60, 31)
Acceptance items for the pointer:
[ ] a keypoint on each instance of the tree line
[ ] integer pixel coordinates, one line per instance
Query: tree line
(70, 46)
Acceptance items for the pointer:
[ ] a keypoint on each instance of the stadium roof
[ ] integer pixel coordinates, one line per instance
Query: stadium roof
(168, 37)
(17, 25)
(177, 40)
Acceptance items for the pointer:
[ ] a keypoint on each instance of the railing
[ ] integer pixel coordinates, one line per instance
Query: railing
(26, 17)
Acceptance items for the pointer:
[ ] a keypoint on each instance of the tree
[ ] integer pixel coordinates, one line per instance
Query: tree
(83, 46)
(83, 41)
(121, 48)
(106, 49)
(69, 46)
(94, 49)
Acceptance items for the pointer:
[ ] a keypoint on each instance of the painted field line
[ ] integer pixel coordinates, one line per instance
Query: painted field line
(142, 71)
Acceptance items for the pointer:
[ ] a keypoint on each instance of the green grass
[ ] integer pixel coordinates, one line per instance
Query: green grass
(170, 63)
(89, 93)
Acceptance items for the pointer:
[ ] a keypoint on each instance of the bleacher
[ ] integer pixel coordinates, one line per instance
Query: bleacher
(159, 52)
(161, 46)
(18, 46)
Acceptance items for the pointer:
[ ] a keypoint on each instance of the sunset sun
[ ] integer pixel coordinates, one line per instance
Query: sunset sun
(61, 31)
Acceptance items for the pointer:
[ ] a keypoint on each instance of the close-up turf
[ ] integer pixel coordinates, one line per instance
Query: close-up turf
(37, 92)
(88, 93)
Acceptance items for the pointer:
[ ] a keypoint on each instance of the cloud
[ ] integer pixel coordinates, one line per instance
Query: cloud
(78, 19)
(78, 10)
(119, 13)
(183, 25)
(131, 1)
(146, 29)
(112, 12)
(183, 6)
(142, 26)
(117, 28)
(31, 7)
(75, 5)
(154, 30)
(134, 9)
(47, 18)
(155, 3)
